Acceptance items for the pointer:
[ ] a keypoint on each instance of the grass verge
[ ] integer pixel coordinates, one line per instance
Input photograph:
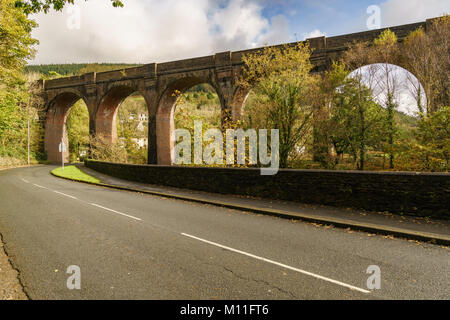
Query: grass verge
(72, 172)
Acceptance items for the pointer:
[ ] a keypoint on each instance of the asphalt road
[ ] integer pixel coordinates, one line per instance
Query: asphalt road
(134, 246)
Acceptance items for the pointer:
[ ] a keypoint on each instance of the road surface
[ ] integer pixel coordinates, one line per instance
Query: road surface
(133, 246)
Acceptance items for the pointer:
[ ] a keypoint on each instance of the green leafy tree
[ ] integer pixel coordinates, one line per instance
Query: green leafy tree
(16, 47)
(386, 49)
(382, 77)
(130, 128)
(433, 137)
(281, 80)
(102, 149)
(34, 6)
(78, 131)
(327, 91)
(355, 119)
(194, 105)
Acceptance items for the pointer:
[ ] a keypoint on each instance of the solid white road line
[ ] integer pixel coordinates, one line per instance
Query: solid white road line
(66, 195)
(26, 181)
(39, 186)
(123, 214)
(279, 264)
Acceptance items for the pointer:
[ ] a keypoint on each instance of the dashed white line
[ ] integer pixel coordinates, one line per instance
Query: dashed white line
(34, 184)
(279, 264)
(66, 195)
(123, 214)
(93, 204)
(26, 181)
(225, 247)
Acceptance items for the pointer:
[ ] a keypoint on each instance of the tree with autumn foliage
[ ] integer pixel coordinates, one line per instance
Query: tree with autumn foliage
(281, 80)
(16, 47)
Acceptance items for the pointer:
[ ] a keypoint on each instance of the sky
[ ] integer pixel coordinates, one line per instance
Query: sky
(147, 31)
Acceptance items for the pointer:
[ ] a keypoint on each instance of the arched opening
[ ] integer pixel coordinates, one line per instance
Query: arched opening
(185, 101)
(77, 126)
(374, 118)
(122, 127)
(76, 139)
(200, 103)
(393, 84)
(132, 128)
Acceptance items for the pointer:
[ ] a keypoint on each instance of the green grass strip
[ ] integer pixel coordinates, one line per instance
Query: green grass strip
(72, 172)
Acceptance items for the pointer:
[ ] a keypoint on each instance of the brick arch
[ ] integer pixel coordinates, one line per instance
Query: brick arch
(106, 111)
(55, 124)
(396, 62)
(165, 125)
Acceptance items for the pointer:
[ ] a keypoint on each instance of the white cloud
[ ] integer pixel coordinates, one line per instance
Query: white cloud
(154, 31)
(240, 21)
(314, 34)
(278, 32)
(398, 12)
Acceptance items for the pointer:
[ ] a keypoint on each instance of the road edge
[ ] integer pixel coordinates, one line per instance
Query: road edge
(20, 294)
(340, 223)
(21, 167)
(15, 294)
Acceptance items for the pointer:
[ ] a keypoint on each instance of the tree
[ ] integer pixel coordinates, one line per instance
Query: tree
(386, 50)
(102, 149)
(16, 43)
(34, 6)
(16, 47)
(433, 138)
(327, 91)
(425, 54)
(281, 80)
(419, 61)
(78, 130)
(355, 119)
(130, 128)
(381, 76)
(35, 111)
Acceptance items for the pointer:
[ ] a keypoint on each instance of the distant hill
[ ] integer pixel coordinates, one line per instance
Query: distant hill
(76, 68)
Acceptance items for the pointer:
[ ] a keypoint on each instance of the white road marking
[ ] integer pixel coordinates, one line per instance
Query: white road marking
(123, 214)
(279, 264)
(93, 204)
(39, 186)
(66, 195)
(26, 181)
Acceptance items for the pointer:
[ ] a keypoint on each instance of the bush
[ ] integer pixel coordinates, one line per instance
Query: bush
(102, 149)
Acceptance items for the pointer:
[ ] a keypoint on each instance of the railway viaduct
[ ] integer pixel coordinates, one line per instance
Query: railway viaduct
(103, 92)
